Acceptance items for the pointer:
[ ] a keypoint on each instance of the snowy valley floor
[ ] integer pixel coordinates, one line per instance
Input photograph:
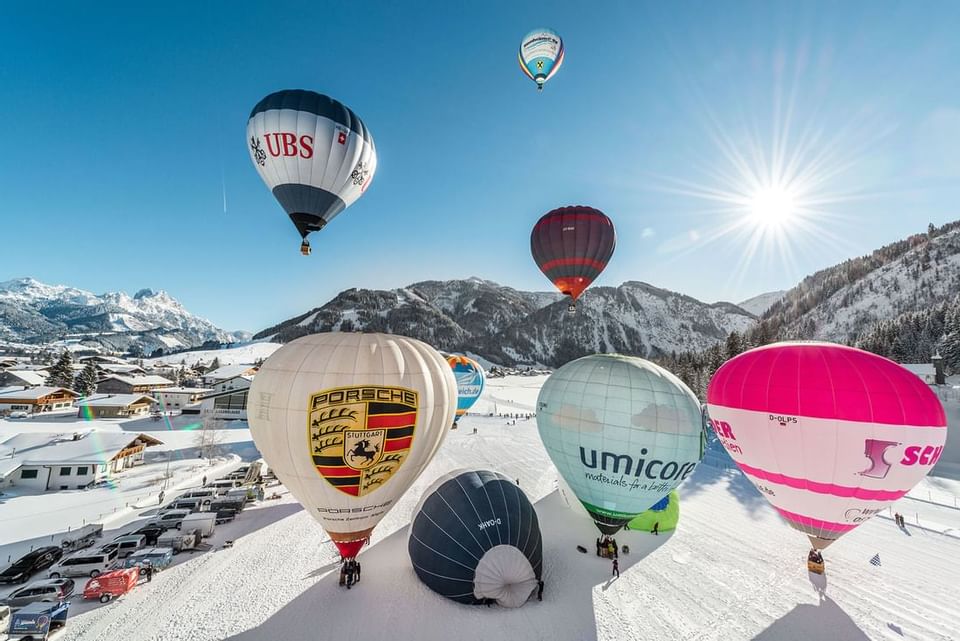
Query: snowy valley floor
(732, 570)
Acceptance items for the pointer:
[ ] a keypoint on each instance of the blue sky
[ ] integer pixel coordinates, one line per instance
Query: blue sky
(123, 124)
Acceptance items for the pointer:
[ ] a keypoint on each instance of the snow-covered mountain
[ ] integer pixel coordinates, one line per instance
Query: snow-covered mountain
(761, 302)
(512, 327)
(842, 302)
(34, 312)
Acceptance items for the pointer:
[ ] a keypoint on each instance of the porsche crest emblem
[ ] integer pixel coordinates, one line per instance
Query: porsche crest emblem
(360, 436)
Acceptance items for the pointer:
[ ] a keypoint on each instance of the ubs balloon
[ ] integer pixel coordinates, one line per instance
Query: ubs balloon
(470, 381)
(315, 155)
(830, 435)
(348, 421)
(622, 432)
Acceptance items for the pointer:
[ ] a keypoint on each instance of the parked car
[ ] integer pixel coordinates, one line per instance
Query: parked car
(31, 563)
(43, 590)
(193, 505)
(159, 558)
(90, 564)
(112, 584)
(35, 621)
(150, 533)
(19, 414)
(203, 521)
(169, 519)
(126, 544)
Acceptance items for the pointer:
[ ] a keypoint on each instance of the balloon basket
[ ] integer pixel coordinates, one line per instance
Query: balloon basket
(815, 567)
(571, 309)
(305, 248)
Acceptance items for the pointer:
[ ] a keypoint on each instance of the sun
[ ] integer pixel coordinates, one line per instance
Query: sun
(772, 207)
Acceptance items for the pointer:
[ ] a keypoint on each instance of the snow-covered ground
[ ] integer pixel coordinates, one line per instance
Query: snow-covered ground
(733, 570)
(244, 354)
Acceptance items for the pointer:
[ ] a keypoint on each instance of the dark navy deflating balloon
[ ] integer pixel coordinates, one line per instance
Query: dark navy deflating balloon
(476, 536)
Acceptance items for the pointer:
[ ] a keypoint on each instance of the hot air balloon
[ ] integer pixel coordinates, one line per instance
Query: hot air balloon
(315, 155)
(663, 516)
(571, 246)
(830, 435)
(469, 377)
(348, 421)
(540, 56)
(622, 432)
(475, 536)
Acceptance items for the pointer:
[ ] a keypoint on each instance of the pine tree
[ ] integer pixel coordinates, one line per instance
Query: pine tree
(61, 373)
(86, 381)
(734, 345)
(214, 365)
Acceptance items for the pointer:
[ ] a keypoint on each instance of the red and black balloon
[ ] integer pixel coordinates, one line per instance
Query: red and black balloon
(571, 246)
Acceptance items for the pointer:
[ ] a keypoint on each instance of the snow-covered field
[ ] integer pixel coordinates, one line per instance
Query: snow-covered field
(244, 354)
(732, 570)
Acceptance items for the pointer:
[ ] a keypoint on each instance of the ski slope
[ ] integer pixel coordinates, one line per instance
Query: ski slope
(732, 570)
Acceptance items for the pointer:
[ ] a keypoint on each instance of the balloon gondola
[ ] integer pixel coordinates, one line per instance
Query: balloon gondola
(316, 156)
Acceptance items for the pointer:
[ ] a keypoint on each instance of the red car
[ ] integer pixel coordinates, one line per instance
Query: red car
(111, 584)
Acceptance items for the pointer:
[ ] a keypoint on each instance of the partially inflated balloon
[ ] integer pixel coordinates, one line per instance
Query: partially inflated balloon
(664, 515)
(830, 435)
(348, 421)
(469, 377)
(622, 432)
(571, 246)
(540, 56)
(314, 154)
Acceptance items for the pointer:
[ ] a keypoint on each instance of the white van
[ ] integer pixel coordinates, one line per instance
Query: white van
(222, 485)
(126, 544)
(91, 564)
(170, 518)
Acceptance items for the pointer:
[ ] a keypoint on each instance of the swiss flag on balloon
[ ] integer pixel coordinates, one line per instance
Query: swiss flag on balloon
(341, 138)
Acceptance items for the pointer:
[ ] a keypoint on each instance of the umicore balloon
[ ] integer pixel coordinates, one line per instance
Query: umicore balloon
(470, 380)
(540, 56)
(622, 432)
(348, 421)
(571, 246)
(314, 154)
(830, 435)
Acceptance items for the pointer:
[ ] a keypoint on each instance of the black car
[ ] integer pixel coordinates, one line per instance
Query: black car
(151, 533)
(22, 568)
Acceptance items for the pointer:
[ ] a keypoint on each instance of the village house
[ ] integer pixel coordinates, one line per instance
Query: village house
(22, 377)
(37, 400)
(227, 372)
(176, 398)
(123, 369)
(115, 405)
(44, 461)
(117, 384)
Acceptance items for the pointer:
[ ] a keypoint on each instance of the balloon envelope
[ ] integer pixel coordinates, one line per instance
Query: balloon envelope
(622, 432)
(470, 380)
(665, 514)
(476, 536)
(830, 435)
(541, 54)
(315, 155)
(571, 246)
(348, 421)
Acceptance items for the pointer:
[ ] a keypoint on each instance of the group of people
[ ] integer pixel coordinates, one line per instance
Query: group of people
(815, 556)
(898, 519)
(607, 547)
(350, 572)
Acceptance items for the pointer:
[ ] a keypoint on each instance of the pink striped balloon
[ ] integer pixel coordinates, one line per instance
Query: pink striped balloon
(830, 435)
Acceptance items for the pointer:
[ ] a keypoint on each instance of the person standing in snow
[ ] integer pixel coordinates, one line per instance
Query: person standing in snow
(616, 568)
(350, 577)
(616, 550)
(598, 546)
(204, 482)
(148, 571)
(656, 528)
(160, 498)
(356, 565)
(540, 590)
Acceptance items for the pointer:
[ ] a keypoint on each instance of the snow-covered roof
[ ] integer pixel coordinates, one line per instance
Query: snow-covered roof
(241, 390)
(925, 371)
(149, 379)
(114, 400)
(229, 371)
(185, 390)
(27, 376)
(120, 368)
(33, 393)
(94, 447)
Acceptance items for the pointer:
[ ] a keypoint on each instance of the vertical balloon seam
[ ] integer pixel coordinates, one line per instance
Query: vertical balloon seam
(486, 491)
(506, 512)
(456, 514)
(426, 514)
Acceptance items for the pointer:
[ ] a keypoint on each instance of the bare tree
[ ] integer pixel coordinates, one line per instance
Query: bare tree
(211, 437)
